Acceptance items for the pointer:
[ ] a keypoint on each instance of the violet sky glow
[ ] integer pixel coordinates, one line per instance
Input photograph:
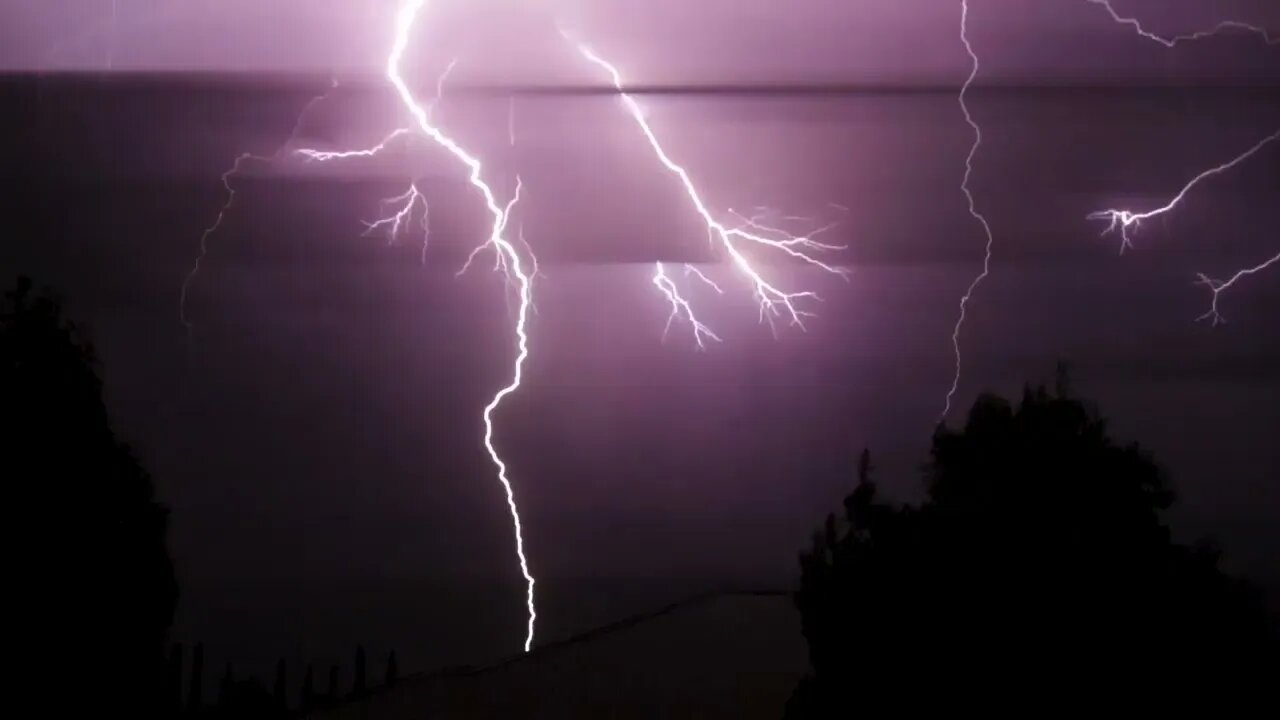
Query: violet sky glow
(668, 43)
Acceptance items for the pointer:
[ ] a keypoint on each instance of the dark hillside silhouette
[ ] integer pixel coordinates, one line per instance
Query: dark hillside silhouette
(88, 569)
(1038, 565)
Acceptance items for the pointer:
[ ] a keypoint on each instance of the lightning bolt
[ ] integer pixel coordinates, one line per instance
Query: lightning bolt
(236, 169)
(1173, 40)
(773, 301)
(1127, 220)
(1217, 287)
(401, 207)
(1121, 219)
(973, 207)
(401, 210)
(327, 155)
(681, 307)
(509, 256)
(739, 238)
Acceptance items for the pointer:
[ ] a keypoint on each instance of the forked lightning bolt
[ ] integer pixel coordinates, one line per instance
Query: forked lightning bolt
(402, 209)
(1126, 220)
(773, 301)
(1129, 220)
(1219, 286)
(680, 307)
(510, 257)
(1121, 219)
(236, 168)
(1170, 41)
(973, 207)
(739, 239)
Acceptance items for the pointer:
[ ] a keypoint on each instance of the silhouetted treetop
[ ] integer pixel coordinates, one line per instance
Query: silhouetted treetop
(88, 561)
(1039, 560)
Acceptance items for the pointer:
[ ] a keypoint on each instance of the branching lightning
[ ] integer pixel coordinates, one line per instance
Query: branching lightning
(745, 240)
(402, 209)
(1123, 220)
(510, 257)
(773, 301)
(327, 155)
(973, 208)
(681, 307)
(1217, 287)
(227, 177)
(1128, 220)
(1170, 41)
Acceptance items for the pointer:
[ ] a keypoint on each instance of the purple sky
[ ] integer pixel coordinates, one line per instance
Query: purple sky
(656, 40)
(318, 436)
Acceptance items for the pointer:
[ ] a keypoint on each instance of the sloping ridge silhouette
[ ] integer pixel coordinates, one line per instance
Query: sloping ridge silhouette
(540, 651)
(440, 678)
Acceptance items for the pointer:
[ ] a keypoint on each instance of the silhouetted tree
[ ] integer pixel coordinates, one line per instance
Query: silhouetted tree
(226, 687)
(195, 693)
(175, 678)
(87, 561)
(333, 683)
(1039, 564)
(393, 669)
(359, 686)
(249, 699)
(278, 688)
(307, 697)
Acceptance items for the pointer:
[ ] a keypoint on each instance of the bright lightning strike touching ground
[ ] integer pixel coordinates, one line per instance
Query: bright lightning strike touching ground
(405, 20)
(402, 210)
(748, 243)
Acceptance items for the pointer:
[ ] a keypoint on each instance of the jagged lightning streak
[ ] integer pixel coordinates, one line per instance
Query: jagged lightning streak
(327, 155)
(403, 206)
(973, 207)
(405, 20)
(773, 302)
(1170, 41)
(209, 231)
(226, 177)
(681, 307)
(1217, 287)
(1127, 220)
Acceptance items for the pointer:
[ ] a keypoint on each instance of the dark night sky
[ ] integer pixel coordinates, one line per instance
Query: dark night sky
(318, 434)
